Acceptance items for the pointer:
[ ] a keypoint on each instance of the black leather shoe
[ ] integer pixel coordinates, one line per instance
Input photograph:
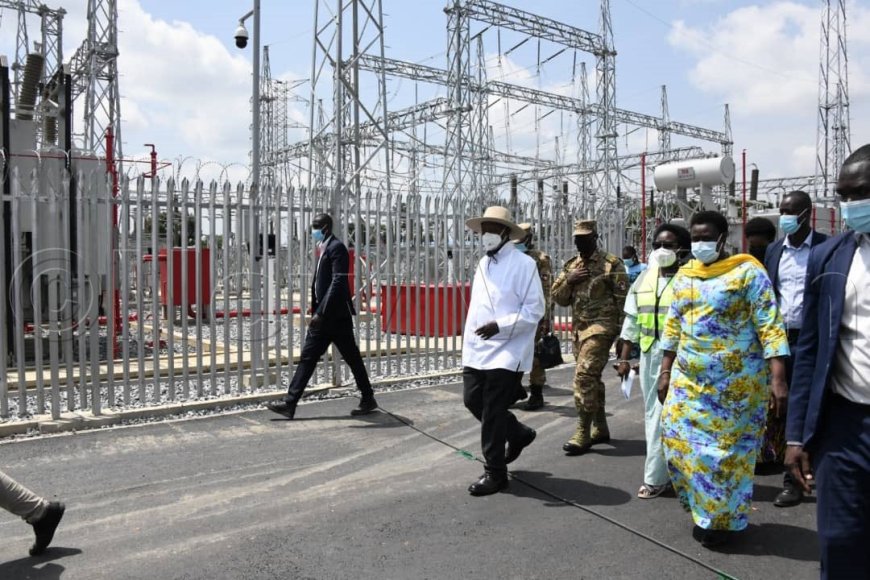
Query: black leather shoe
(535, 402)
(573, 449)
(45, 527)
(790, 496)
(365, 407)
(513, 451)
(488, 484)
(282, 408)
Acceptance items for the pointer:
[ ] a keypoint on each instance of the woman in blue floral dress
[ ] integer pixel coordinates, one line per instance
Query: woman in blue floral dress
(724, 332)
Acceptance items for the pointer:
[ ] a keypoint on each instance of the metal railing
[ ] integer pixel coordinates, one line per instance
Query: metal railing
(177, 325)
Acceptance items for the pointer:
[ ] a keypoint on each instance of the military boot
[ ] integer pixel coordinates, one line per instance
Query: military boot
(536, 399)
(581, 441)
(600, 432)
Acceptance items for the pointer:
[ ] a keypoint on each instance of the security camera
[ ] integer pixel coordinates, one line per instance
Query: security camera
(241, 36)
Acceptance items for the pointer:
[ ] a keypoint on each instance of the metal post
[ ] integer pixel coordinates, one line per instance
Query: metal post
(255, 240)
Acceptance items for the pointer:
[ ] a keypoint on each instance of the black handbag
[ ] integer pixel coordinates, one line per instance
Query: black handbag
(548, 351)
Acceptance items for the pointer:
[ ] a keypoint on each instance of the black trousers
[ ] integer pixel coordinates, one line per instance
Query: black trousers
(841, 464)
(792, 335)
(340, 333)
(488, 394)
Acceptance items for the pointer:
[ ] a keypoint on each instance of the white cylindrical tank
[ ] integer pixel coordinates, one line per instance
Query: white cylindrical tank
(694, 172)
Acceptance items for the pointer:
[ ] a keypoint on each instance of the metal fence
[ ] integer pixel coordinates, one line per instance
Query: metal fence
(198, 311)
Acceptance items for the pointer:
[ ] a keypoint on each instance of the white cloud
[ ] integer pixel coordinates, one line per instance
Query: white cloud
(181, 88)
(764, 61)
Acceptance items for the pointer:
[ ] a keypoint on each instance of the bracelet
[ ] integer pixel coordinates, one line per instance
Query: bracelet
(663, 372)
(623, 361)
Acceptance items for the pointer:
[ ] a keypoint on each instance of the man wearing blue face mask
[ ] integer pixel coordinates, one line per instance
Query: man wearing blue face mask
(828, 428)
(633, 266)
(786, 264)
(331, 323)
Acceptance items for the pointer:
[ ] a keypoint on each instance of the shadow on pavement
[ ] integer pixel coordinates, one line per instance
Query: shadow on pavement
(38, 567)
(780, 540)
(377, 419)
(621, 448)
(576, 490)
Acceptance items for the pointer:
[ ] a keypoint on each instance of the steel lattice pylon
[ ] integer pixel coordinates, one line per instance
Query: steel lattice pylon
(50, 45)
(94, 69)
(833, 131)
(345, 31)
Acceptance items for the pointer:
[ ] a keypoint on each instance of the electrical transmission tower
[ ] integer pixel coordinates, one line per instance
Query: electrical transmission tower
(340, 156)
(833, 131)
(94, 69)
(49, 48)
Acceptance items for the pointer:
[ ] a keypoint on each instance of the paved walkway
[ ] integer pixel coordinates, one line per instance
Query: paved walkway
(329, 496)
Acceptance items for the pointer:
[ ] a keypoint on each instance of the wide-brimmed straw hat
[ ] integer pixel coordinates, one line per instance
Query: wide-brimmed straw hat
(499, 215)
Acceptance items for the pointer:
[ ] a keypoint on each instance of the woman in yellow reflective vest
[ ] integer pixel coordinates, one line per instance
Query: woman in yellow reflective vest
(646, 307)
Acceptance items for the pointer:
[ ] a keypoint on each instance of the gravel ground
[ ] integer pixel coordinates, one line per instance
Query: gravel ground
(218, 385)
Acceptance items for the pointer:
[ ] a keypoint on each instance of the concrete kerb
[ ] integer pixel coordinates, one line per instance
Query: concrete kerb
(78, 421)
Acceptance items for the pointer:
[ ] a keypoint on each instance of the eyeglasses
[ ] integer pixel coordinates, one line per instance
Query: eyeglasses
(666, 245)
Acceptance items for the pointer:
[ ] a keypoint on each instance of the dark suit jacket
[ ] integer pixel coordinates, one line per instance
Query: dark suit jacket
(330, 293)
(773, 255)
(827, 271)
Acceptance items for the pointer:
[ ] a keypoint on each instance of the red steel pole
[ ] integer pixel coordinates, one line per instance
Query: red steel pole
(113, 171)
(643, 206)
(744, 201)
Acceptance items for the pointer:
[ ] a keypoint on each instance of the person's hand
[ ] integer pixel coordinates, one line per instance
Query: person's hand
(315, 322)
(663, 386)
(544, 326)
(622, 369)
(487, 331)
(797, 462)
(778, 397)
(579, 275)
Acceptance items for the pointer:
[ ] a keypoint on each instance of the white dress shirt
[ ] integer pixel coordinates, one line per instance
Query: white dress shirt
(851, 373)
(506, 290)
(791, 280)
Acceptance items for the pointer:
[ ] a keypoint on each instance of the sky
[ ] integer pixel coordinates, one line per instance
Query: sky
(186, 87)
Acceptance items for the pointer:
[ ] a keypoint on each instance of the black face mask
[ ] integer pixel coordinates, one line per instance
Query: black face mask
(585, 244)
(758, 252)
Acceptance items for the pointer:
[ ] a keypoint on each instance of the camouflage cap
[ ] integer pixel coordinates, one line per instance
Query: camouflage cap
(585, 227)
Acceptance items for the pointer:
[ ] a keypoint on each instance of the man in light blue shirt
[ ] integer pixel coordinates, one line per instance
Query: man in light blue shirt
(786, 263)
(633, 265)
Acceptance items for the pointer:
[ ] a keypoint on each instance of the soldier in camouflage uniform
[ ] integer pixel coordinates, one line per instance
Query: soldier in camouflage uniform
(538, 376)
(594, 284)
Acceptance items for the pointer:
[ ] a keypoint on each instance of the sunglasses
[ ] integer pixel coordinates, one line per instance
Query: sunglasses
(666, 245)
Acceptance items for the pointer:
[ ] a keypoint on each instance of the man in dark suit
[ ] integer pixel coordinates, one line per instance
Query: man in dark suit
(786, 263)
(331, 323)
(828, 428)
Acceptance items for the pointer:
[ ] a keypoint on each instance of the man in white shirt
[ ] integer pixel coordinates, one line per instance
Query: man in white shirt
(507, 303)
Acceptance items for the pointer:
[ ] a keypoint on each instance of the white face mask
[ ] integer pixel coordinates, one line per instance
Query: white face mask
(490, 241)
(664, 257)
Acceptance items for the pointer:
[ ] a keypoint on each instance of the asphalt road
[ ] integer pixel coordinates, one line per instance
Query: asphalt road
(329, 496)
